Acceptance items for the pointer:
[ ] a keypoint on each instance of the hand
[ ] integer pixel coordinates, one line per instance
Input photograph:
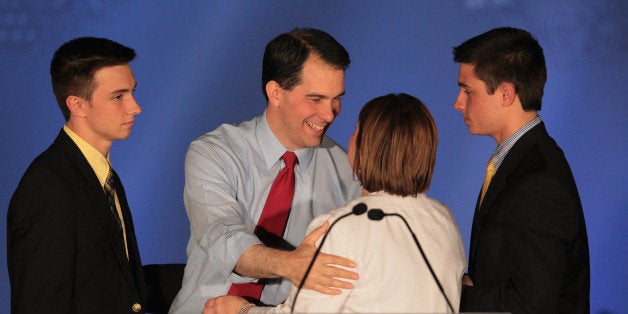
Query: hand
(226, 304)
(323, 276)
(466, 280)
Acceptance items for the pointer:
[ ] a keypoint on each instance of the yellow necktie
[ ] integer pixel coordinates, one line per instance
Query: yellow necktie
(490, 172)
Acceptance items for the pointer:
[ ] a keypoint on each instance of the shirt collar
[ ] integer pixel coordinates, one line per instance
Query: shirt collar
(272, 149)
(99, 163)
(502, 150)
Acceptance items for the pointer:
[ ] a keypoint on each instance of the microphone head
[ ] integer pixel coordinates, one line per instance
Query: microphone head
(359, 209)
(376, 214)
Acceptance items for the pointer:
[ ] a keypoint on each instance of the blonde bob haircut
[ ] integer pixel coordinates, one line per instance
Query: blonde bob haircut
(395, 147)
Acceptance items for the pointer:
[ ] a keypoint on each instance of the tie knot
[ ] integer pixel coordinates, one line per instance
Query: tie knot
(109, 180)
(290, 158)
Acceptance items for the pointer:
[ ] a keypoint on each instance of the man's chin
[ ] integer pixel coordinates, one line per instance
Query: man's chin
(472, 130)
(124, 136)
(315, 142)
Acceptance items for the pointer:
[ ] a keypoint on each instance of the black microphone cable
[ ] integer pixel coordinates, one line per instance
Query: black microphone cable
(357, 210)
(378, 214)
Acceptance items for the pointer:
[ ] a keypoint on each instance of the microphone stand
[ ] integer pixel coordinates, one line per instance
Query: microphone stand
(378, 214)
(358, 209)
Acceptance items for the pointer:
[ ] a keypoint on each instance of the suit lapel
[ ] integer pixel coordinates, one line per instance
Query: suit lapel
(134, 261)
(500, 181)
(100, 205)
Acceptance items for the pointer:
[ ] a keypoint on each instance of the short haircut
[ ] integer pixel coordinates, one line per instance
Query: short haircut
(74, 64)
(396, 145)
(285, 55)
(507, 54)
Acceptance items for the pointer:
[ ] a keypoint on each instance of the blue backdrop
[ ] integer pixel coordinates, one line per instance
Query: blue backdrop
(199, 65)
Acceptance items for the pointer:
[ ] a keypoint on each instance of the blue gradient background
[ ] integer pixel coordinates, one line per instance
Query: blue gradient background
(199, 65)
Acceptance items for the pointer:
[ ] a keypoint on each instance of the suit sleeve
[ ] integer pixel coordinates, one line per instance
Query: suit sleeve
(41, 236)
(539, 221)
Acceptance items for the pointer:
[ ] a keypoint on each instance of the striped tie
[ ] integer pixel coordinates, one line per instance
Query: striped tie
(111, 192)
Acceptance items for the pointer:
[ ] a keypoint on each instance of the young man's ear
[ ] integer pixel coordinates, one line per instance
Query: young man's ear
(273, 91)
(508, 93)
(76, 106)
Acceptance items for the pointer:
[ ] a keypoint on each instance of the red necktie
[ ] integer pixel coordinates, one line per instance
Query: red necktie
(272, 222)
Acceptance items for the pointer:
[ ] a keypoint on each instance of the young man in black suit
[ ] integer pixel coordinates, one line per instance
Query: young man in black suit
(71, 242)
(529, 250)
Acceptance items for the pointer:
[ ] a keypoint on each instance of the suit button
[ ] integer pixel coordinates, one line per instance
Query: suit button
(136, 307)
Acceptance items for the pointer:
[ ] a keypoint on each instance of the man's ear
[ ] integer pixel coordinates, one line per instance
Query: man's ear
(76, 106)
(508, 93)
(273, 91)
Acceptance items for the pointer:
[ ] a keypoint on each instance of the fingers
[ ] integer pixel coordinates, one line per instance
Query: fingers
(210, 302)
(210, 307)
(316, 234)
(466, 280)
(341, 273)
(326, 285)
(335, 266)
(328, 274)
(224, 304)
(325, 290)
(332, 283)
(330, 259)
(328, 277)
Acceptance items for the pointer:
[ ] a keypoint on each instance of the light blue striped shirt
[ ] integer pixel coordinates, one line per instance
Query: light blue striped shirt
(228, 174)
(502, 150)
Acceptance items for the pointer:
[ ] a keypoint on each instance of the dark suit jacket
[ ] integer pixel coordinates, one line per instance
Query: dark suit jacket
(65, 251)
(529, 249)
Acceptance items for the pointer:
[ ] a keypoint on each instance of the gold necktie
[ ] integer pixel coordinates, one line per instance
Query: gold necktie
(490, 172)
(110, 191)
(111, 194)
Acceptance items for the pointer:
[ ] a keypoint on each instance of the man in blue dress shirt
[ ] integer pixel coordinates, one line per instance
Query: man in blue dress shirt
(229, 172)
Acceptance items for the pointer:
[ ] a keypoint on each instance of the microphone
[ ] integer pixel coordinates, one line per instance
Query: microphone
(357, 210)
(378, 214)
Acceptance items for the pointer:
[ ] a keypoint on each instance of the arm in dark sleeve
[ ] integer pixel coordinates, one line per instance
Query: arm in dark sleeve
(41, 245)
